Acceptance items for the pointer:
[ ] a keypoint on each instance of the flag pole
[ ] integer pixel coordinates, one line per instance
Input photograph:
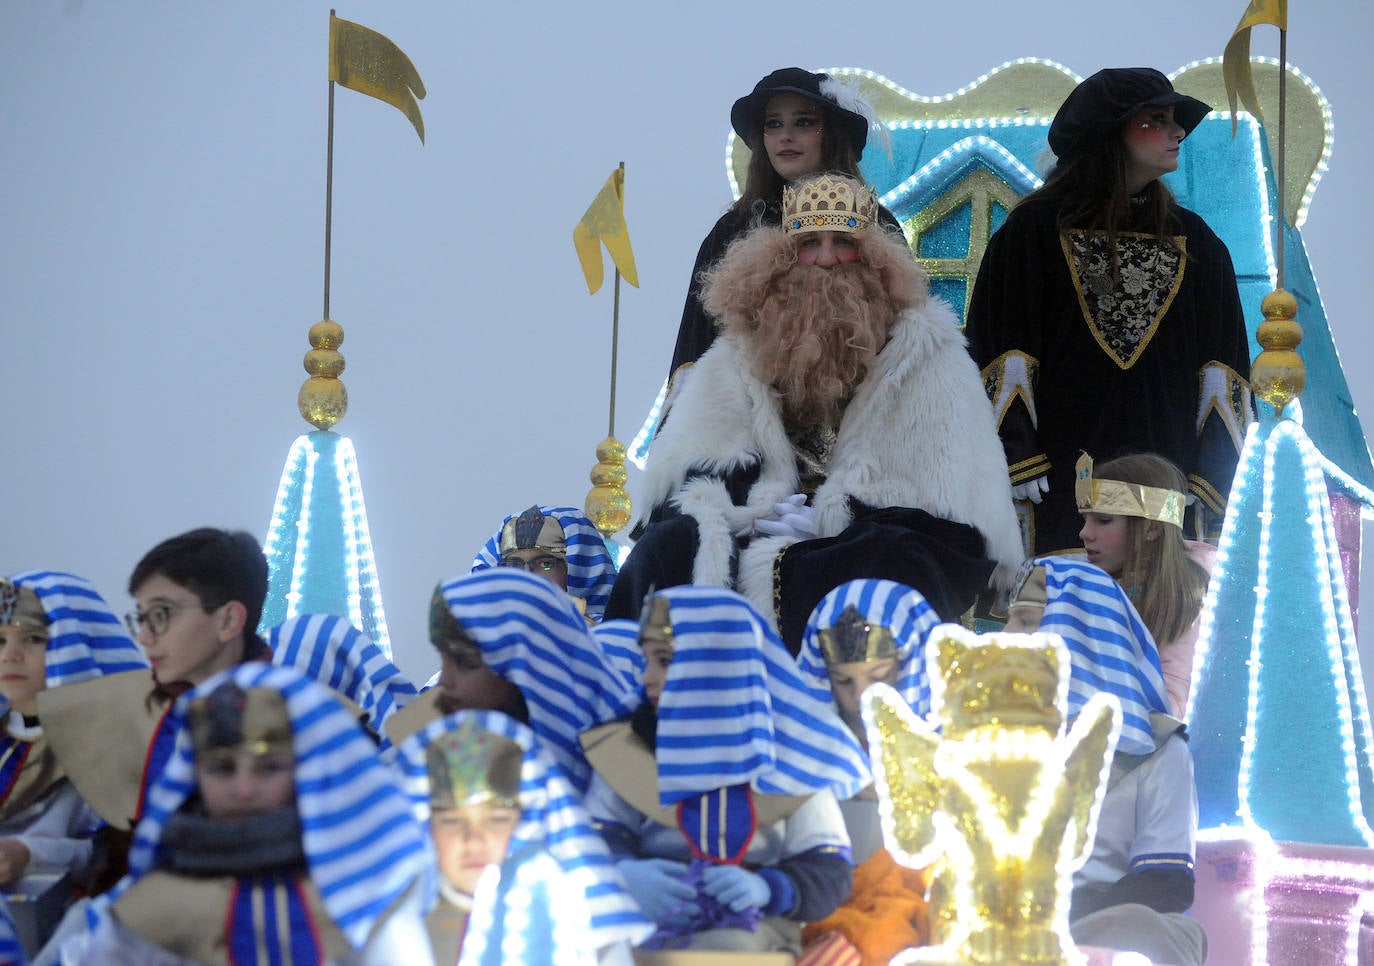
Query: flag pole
(328, 190)
(615, 328)
(1283, 141)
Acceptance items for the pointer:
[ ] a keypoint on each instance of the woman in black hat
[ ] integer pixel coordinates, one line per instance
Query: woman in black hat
(1105, 316)
(796, 123)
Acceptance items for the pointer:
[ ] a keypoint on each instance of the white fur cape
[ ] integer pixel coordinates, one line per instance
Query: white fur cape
(919, 432)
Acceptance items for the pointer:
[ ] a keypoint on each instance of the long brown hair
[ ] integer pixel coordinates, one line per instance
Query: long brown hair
(762, 183)
(1090, 194)
(1164, 583)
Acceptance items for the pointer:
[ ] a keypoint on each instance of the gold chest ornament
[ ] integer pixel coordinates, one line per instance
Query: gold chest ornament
(1003, 798)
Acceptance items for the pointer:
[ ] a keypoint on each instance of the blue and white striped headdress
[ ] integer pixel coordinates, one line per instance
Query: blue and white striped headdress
(362, 843)
(591, 569)
(85, 638)
(1109, 646)
(619, 640)
(553, 822)
(895, 606)
(330, 650)
(530, 633)
(735, 710)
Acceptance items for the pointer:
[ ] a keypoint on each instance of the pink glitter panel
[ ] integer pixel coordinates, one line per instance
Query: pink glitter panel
(1345, 517)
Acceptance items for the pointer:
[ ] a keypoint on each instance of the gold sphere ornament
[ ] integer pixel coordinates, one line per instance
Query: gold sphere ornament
(325, 363)
(323, 400)
(326, 334)
(608, 504)
(1278, 374)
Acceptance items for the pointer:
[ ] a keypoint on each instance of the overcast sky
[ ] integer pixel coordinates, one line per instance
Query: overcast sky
(162, 197)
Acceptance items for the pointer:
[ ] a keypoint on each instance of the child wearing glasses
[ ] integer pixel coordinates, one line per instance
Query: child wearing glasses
(55, 629)
(198, 600)
(559, 544)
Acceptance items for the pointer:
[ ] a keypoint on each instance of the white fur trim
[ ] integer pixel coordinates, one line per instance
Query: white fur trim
(756, 573)
(918, 433)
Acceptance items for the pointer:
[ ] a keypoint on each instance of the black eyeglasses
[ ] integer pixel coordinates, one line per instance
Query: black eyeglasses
(155, 618)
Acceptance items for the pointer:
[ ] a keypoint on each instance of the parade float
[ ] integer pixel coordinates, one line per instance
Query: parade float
(1279, 719)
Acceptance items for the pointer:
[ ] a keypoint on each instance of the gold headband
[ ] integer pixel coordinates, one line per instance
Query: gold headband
(828, 202)
(230, 719)
(20, 605)
(655, 621)
(1125, 499)
(532, 530)
(472, 766)
(852, 638)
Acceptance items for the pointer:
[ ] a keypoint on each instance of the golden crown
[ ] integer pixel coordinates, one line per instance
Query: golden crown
(828, 202)
(473, 766)
(230, 719)
(532, 530)
(1125, 499)
(852, 638)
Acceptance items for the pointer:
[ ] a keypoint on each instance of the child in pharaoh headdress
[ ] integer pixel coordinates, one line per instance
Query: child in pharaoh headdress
(198, 598)
(861, 633)
(334, 652)
(1132, 510)
(1132, 892)
(559, 544)
(274, 834)
(718, 794)
(55, 629)
(513, 642)
(493, 798)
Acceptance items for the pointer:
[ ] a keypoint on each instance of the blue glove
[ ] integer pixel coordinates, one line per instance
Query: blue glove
(658, 887)
(735, 887)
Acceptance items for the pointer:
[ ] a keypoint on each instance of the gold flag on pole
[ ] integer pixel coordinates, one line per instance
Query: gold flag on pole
(605, 222)
(1235, 63)
(369, 63)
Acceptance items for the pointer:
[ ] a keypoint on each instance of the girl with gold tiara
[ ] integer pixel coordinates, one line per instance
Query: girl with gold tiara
(1132, 511)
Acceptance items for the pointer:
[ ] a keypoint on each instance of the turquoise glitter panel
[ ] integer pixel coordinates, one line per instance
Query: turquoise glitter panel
(952, 290)
(999, 216)
(949, 238)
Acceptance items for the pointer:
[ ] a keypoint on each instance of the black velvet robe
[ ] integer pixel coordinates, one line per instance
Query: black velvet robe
(1110, 366)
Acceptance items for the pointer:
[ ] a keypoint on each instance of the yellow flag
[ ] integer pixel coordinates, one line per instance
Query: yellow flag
(1235, 63)
(605, 222)
(365, 61)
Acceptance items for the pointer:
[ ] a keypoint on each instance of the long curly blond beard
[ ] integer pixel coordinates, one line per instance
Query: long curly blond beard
(809, 332)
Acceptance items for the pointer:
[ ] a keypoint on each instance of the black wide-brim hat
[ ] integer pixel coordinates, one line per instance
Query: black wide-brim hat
(746, 117)
(1108, 99)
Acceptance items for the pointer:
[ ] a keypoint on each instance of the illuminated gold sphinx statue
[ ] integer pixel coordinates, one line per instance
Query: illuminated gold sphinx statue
(1004, 801)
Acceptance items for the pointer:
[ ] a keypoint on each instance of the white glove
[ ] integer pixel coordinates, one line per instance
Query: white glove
(1033, 490)
(790, 518)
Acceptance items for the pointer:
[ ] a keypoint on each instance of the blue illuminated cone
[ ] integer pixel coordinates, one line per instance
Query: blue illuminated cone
(1278, 716)
(319, 550)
